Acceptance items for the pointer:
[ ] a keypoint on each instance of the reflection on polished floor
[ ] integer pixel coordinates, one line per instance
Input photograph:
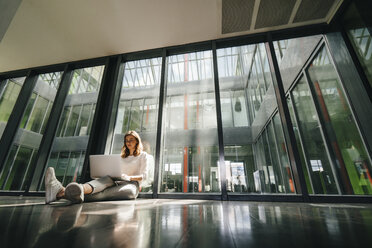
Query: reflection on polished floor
(27, 222)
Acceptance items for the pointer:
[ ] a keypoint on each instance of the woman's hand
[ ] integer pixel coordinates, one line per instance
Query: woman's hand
(125, 177)
(136, 178)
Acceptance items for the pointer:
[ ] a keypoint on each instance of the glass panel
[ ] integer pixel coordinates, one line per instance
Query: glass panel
(20, 165)
(72, 170)
(190, 146)
(16, 174)
(73, 120)
(280, 177)
(283, 155)
(9, 90)
(244, 79)
(150, 115)
(314, 147)
(348, 149)
(300, 148)
(7, 166)
(84, 120)
(273, 174)
(37, 117)
(361, 39)
(280, 47)
(138, 109)
(233, 67)
(68, 148)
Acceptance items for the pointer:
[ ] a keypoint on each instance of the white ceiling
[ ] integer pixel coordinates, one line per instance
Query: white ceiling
(45, 32)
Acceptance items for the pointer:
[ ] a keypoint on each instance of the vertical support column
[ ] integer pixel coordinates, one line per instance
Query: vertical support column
(50, 129)
(286, 121)
(103, 115)
(160, 123)
(16, 116)
(221, 150)
(112, 105)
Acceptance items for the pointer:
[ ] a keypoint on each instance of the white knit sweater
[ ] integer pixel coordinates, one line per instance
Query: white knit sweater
(136, 165)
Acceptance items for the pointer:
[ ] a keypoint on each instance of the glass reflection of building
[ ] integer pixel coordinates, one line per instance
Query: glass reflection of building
(251, 150)
(71, 138)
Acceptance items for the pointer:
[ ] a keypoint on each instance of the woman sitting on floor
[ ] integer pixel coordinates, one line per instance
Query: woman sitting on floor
(104, 188)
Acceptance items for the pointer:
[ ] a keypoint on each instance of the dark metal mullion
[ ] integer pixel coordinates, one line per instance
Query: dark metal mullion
(51, 128)
(100, 125)
(301, 140)
(219, 125)
(286, 121)
(159, 135)
(16, 116)
(117, 88)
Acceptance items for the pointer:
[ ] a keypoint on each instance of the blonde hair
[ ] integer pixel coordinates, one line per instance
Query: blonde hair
(139, 147)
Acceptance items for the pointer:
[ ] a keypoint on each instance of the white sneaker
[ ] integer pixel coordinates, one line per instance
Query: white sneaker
(74, 192)
(52, 186)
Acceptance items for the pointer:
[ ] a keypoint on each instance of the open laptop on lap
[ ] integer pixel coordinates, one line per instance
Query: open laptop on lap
(106, 165)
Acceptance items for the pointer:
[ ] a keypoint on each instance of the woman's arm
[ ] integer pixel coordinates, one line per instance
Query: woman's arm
(132, 178)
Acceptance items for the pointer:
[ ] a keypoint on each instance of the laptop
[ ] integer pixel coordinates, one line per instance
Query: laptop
(106, 165)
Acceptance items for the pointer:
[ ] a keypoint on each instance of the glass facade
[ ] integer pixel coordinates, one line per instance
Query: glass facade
(138, 109)
(361, 39)
(20, 162)
(347, 147)
(190, 145)
(74, 128)
(313, 147)
(333, 154)
(334, 151)
(251, 167)
(9, 90)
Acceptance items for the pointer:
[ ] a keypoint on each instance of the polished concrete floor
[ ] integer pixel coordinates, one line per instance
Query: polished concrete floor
(27, 222)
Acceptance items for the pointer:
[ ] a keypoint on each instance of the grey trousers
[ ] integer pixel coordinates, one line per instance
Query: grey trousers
(106, 189)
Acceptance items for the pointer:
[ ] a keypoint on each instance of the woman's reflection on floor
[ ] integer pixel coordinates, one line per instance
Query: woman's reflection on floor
(109, 225)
